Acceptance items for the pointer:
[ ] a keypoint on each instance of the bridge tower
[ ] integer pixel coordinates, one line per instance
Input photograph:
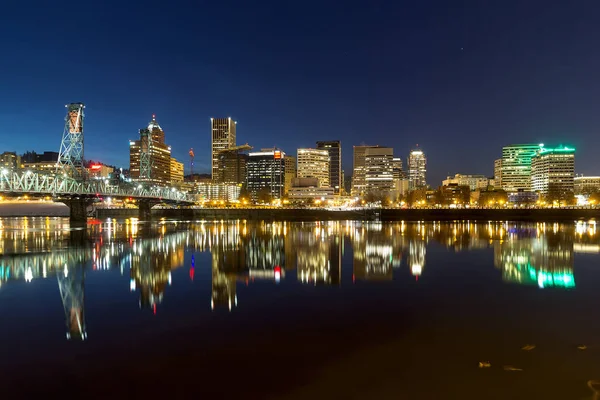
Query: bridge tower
(71, 285)
(70, 157)
(145, 156)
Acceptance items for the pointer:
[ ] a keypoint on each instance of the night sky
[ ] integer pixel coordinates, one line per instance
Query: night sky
(461, 79)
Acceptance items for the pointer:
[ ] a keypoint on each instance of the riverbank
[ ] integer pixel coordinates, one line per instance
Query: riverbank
(289, 214)
(43, 209)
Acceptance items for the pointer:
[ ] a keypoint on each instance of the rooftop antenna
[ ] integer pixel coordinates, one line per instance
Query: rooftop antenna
(191, 153)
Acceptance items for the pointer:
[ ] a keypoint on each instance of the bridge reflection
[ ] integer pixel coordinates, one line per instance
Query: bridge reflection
(244, 253)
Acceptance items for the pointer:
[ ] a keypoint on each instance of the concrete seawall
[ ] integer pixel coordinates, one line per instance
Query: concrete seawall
(531, 215)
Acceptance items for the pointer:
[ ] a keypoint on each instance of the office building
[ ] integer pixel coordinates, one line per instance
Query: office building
(308, 189)
(379, 170)
(150, 157)
(10, 160)
(265, 173)
(313, 163)
(334, 147)
(176, 171)
(99, 171)
(516, 166)
(290, 172)
(232, 165)
(417, 169)
(498, 173)
(474, 182)
(208, 191)
(586, 184)
(45, 162)
(553, 172)
(359, 182)
(222, 133)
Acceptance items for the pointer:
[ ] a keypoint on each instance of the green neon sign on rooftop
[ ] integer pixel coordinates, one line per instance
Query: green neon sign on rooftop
(559, 149)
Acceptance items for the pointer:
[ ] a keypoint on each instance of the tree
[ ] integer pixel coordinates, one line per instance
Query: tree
(264, 195)
(244, 194)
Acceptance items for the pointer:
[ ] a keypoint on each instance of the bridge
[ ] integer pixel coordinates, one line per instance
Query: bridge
(70, 185)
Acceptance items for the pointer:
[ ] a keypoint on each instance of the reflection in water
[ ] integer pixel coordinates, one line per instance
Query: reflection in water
(242, 253)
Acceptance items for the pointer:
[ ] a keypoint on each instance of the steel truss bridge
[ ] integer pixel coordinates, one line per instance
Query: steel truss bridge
(57, 186)
(69, 184)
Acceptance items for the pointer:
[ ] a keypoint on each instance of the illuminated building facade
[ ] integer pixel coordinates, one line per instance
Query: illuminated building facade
(222, 133)
(313, 163)
(586, 184)
(176, 171)
(553, 172)
(474, 182)
(359, 183)
(10, 160)
(266, 173)
(417, 169)
(207, 191)
(45, 162)
(334, 148)
(231, 169)
(99, 171)
(150, 157)
(516, 166)
(379, 170)
(498, 173)
(290, 172)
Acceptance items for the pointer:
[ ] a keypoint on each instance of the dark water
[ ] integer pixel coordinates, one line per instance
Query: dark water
(299, 310)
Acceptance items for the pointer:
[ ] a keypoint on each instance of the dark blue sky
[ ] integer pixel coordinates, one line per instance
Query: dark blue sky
(461, 79)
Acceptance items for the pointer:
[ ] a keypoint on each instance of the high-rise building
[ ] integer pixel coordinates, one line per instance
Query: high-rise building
(150, 157)
(334, 147)
(379, 169)
(222, 132)
(358, 170)
(265, 173)
(231, 165)
(290, 172)
(498, 173)
(313, 163)
(417, 169)
(10, 160)
(176, 171)
(516, 166)
(553, 172)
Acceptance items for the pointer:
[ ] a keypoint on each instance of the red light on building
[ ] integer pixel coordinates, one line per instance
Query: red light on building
(96, 167)
(277, 155)
(277, 268)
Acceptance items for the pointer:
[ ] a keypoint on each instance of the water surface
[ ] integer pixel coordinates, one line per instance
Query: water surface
(300, 310)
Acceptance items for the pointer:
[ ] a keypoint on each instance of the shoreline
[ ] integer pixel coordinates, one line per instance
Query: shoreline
(47, 209)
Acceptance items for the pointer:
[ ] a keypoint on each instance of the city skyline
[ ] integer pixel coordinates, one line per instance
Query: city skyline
(444, 80)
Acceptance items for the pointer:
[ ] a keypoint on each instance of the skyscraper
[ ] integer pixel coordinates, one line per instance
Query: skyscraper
(265, 173)
(553, 172)
(334, 147)
(516, 166)
(222, 138)
(417, 169)
(313, 163)
(150, 157)
(290, 172)
(358, 170)
(379, 170)
(498, 173)
(231, 165)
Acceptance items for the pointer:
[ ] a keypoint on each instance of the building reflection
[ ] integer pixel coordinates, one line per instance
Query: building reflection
(543, 257)
(245, 253)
